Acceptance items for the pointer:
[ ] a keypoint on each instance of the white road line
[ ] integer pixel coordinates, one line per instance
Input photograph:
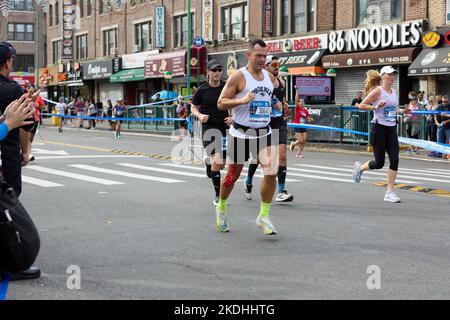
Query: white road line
(181, 166)
(384, 174)
(181, 173)
(40, 182)
(74, 176)
(124, 173)
(85, 157)
(317, 177)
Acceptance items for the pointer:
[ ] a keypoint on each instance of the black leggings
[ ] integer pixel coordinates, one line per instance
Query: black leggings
(384, 139)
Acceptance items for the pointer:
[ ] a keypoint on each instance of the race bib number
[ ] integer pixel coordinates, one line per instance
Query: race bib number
(119, 112)
(260, 111)
(302, 120)
(390, 113)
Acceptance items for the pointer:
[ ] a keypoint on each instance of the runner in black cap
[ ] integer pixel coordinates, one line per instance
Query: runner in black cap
(215, 122)
(15, 148)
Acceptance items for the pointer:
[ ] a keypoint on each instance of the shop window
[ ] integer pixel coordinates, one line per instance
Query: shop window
(143, 36)
(235, 21)
(181, 30)
(377, 11)
(298, 16)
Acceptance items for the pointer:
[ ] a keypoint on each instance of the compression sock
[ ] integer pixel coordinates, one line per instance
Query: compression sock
(216, 178)
(222, 205)
(251, 172)
(282, 179)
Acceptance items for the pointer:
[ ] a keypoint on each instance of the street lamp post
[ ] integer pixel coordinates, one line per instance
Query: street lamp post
(168, 76)
(188, 62)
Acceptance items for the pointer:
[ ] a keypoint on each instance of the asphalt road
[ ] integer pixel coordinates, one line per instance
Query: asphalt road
(136, 235)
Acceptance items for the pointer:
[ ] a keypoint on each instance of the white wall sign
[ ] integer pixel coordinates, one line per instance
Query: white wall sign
(207, 21)
(376, 37)
(136, 60)
(159, 26)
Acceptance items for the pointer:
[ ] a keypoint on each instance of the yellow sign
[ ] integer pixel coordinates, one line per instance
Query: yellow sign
(431, 39)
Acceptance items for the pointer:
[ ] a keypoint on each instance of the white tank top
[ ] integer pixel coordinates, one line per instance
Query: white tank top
(387, 115)
(256, 114)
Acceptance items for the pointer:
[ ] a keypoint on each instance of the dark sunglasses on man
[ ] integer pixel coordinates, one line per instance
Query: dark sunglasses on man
(275, 65)
(218, 69)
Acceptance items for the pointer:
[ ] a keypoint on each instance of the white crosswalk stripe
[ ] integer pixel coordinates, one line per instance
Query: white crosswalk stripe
(182, 166)
(40, 182)
(74, 176)
(181, 173)
(124, 173)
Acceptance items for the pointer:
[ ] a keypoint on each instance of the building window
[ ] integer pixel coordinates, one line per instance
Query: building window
(377, 11)
(142, 36)
(82, 46)
(181, 30)
(24, 63)
(56, 13)
(100, 7)
(235, 21)
(298, 16)
(448, 11)
(57, 51)
(81, 6)
(50, 15)
(89, 8)
(20, 32)
(23, 5)
(110, 42)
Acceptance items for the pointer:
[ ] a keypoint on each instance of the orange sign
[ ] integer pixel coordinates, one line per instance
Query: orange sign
(431, 39)
(62, 77)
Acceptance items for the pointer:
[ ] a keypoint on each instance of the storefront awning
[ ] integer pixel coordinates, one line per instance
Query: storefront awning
(371, 58)
(128, 75)
(302, 62)
(431, 61)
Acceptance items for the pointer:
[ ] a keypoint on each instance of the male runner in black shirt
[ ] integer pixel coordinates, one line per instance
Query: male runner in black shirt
(215, 122)
(15, 148)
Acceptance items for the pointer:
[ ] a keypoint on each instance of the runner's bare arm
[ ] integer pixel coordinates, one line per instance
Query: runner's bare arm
(233, 86)
(372, 97)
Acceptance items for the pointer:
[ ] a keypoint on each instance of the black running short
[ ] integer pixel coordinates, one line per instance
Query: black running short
(214, 140)
(240, 150)
(279, 124)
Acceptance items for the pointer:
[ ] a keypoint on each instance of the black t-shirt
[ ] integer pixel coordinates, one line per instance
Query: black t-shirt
(440, 118)
(206, 99)
(9, 91)
(355, 101)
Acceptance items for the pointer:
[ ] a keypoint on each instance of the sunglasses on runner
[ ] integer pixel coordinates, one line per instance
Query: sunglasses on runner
(218, 69)
(275, 64)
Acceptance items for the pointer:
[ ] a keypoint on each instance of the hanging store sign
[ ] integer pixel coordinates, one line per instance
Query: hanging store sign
(68, 27)
(268, 16)
(159, 26)
(376, 37)
(207, 21)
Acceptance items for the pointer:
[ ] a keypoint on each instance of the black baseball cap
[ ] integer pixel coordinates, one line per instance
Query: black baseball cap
(213, 64)
(7, 51)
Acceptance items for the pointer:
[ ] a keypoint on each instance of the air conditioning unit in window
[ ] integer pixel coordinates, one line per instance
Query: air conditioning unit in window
(31, 70)
(112, 51)
(136, 48)
(30, 8)
(223, 37)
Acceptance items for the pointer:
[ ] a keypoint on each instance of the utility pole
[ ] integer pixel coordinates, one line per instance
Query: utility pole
(37, 34)
(189, 40)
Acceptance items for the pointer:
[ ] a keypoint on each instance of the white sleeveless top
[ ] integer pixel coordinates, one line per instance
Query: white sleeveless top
(254, 115)
(387, 115)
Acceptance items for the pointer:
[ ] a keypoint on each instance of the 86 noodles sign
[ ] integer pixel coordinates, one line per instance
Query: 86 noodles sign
(68, 27)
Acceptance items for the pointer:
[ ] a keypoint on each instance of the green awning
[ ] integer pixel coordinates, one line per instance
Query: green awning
(128, 75)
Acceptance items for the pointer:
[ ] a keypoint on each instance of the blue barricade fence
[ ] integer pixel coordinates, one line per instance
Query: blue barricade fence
(3, 286)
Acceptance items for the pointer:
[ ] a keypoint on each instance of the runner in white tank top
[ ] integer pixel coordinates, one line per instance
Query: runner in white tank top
(248, 94)
(383, 137)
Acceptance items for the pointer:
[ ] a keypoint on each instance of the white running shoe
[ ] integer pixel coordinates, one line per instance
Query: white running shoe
(221, 221)
(266, 225)
(357, 173)
(284, 197)
(247, 190)
(390, 196)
